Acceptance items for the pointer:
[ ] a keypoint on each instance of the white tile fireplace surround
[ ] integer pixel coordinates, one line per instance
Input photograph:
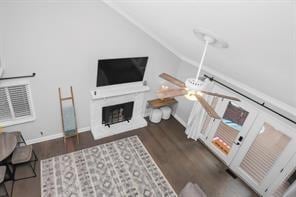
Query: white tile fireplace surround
(113, 95)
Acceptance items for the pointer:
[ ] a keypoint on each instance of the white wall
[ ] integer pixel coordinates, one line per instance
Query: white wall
(62, 42)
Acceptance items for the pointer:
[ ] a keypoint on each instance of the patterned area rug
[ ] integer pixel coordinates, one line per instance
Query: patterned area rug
(120, 168)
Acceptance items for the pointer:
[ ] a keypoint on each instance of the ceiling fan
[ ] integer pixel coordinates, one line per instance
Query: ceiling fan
(194, 88)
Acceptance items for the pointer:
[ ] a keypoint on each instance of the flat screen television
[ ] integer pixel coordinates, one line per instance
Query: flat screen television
(121, 70)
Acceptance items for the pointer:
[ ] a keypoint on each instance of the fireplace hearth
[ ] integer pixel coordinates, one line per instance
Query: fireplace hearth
(117, 113)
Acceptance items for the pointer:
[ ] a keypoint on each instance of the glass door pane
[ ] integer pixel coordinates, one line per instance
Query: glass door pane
(264, 152)
(230, 127)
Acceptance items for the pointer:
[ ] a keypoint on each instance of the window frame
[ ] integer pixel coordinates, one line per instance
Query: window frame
(20, 120)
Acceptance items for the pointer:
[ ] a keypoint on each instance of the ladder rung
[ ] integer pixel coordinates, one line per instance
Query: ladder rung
(66, 98)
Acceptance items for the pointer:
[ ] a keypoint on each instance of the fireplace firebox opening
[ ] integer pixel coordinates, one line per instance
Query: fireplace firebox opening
(117, 113)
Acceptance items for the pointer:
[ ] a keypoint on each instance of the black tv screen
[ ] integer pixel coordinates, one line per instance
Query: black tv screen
(122, 70)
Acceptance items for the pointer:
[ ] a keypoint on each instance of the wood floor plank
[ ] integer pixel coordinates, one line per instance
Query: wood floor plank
(180, 159)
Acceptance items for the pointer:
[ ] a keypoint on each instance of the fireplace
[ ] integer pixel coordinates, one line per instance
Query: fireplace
(117, 113)
(116, 109)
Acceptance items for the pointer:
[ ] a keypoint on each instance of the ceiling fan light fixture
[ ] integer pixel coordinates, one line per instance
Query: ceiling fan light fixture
(164, 87)
(190, 95)
(194, 84)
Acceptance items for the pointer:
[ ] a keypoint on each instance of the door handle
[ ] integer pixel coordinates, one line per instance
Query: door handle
(240, 139)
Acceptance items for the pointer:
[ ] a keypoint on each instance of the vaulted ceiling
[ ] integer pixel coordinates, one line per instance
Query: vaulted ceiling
(261, 37)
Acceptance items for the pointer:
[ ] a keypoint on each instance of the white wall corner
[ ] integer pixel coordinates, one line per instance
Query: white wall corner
(180, 120)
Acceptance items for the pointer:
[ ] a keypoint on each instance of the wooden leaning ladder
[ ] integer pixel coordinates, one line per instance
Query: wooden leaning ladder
(69, 120)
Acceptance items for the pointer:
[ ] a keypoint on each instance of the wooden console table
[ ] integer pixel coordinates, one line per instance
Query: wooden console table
(157, 103)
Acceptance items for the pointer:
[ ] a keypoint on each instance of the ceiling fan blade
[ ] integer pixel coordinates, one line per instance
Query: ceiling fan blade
(221, 95)
(168, 93)
(172, 79)
(211, 112)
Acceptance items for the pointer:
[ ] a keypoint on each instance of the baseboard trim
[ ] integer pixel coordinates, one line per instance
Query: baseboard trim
(54, 136)
(81, 130)
(180, 120)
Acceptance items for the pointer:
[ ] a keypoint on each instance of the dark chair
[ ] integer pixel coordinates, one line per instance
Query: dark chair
(20, 139)
(23, 155)
(3, 191)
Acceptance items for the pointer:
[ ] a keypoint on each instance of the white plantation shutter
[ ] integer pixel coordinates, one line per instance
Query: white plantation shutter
(5, 113)
(15, 104)
(19, 100)
(264, 152)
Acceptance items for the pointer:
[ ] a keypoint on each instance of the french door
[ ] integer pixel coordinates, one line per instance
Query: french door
(266, 150)
(227, 135)
(285, 182)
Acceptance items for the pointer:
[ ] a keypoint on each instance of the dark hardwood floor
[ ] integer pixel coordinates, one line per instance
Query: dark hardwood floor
(180, 159)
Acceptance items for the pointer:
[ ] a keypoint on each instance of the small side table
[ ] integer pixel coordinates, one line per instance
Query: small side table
(155, 104)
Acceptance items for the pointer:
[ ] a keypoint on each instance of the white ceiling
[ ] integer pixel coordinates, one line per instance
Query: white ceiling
(261, 36)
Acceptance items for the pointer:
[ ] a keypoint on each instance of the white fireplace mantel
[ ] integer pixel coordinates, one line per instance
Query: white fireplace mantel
(113, 95)
(107, 91)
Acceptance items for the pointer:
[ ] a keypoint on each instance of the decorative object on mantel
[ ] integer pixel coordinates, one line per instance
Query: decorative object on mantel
(18, 77)
(195, 88)
(68, 113)
(119, 168)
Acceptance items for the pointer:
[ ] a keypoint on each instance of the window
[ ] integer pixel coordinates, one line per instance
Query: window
(15, 104)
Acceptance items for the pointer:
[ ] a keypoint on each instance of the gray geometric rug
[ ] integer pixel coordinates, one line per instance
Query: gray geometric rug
(119, 168)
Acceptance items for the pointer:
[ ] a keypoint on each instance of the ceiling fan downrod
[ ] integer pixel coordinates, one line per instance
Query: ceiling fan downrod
(202, 59)
(208, 38)
(196, 84)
